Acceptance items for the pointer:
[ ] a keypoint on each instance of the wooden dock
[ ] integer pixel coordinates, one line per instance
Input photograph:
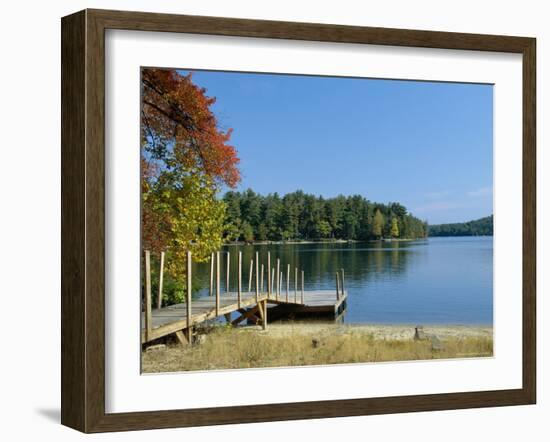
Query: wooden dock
(251, 306)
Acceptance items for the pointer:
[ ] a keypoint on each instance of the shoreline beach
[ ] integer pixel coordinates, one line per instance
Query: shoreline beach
(299, 343)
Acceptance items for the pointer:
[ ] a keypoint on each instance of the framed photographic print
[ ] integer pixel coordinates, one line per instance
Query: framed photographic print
(270, 220)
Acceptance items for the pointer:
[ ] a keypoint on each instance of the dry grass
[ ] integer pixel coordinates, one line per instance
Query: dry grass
(249, 347)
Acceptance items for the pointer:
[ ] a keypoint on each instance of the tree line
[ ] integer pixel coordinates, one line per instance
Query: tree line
(478, 227)
(300, 216)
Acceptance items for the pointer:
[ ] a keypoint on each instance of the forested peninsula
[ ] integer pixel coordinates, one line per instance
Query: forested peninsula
(478, 227)
(300, 216)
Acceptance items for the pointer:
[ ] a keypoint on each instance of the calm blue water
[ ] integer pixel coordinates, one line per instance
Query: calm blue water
(433, 281)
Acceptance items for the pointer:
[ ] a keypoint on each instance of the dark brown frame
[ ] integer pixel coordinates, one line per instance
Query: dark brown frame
(83, 216)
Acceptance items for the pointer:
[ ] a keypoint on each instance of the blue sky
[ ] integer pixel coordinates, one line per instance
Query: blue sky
(426, 145)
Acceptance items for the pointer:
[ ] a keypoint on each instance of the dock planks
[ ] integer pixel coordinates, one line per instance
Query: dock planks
(171, 319)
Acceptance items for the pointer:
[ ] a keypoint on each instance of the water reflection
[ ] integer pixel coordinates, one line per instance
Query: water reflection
(438, 280)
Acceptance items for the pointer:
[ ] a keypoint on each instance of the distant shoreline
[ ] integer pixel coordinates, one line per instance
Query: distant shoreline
(309, 241)
(343, 241)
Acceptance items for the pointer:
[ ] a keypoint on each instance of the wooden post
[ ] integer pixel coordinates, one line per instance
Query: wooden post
(337, 285)
(161, 279)
(257, 278)
(227, 272)
(148, 314)
(212, 259)
(250, 276)
(239, 282)
(287, 280)
(264, 322)
(302, 286)
(268, 274)
(272, 278)
(183, 340)
(295, 285)
(343, 288)
(262, 279)
(280, 282)
(278, 278)
(189, 292)
(217, 283)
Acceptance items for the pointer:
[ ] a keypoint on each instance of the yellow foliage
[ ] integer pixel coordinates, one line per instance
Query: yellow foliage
(196, 218)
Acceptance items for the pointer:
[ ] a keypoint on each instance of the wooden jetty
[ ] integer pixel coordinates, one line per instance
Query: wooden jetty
(252, 305)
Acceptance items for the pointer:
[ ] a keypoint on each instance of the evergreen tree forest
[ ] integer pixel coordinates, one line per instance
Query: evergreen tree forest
(300, 216)
(478, 227)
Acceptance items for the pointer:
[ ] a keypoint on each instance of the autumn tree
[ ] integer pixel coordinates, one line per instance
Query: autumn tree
(180, 130)
(394, 231)
(378, 224)
(196, 217)
(185, 160)
(155, 223)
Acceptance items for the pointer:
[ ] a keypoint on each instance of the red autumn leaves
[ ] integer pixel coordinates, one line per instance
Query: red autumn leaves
(176, 115)
(185, 160)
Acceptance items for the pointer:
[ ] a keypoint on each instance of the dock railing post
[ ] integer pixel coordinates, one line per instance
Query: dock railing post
(302, 286)
(189, 293)
(272, 279)
(239, 282)
(257, 278)
(217, 283)
(280, 281)
(250, 276)
(228, 267)
(343, 287)
(337, 286)
(295, 285)
(262, 279)
(161, 279)
(212, 259)
(148, 314)
(264, 320)
(287, 280)
(278, 292)
(268, 274)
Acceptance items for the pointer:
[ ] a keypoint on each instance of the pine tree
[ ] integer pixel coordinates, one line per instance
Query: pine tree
(248, 232)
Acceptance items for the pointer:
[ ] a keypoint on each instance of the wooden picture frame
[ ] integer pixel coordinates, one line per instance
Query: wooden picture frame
(83, 220)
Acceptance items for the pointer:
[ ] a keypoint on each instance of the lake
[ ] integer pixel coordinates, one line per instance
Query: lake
(445, 280)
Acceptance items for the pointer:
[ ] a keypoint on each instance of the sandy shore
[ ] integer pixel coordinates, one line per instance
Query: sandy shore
(376, 331)
(286, 344)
